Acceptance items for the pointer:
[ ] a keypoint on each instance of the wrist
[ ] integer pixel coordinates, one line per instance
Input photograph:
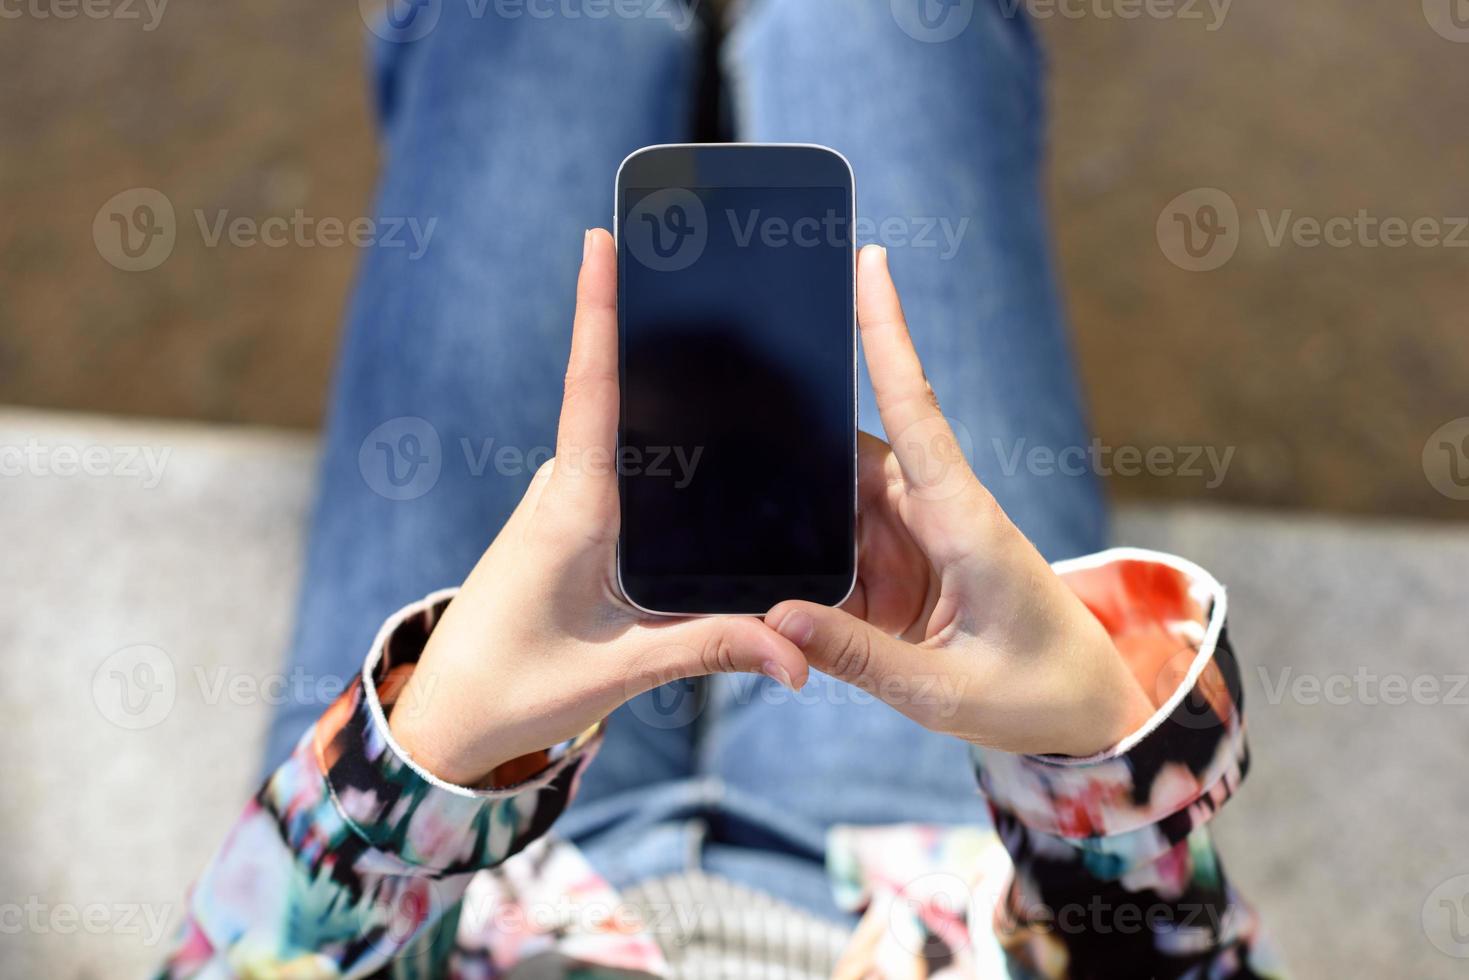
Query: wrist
(434, 746)
(1116, 708)
(1132, 711)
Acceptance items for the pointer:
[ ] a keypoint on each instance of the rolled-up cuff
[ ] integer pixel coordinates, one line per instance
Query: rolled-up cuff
(1132, 803)
(396, 807)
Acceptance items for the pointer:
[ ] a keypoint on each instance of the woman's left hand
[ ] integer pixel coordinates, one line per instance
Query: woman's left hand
(957, 620)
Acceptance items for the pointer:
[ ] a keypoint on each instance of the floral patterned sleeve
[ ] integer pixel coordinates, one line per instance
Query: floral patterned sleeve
(1115, 868)
(350, 857)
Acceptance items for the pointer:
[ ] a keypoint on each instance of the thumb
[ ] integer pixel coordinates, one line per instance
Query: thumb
(840, 644)
(716, 645)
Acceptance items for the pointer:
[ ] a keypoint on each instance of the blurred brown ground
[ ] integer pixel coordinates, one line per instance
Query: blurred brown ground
(1327, 368)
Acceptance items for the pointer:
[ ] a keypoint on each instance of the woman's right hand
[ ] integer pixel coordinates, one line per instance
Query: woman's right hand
(539, 644)
(950, 595)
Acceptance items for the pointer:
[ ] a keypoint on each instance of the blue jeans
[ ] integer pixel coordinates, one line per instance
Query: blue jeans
(507, 130)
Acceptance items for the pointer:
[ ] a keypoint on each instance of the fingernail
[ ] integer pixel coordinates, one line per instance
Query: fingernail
(586, 244)
(797, 627)
(778, 674)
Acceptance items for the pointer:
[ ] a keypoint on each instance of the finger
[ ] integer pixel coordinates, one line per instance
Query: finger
(586, 441)
(920, 435)
(875, 472)
(862, 949)
(903, 394)
(837, 642)
(716, 645)
(534, 493)
(854, 651)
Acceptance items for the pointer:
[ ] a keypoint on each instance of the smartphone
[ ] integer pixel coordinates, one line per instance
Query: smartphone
(737, 438)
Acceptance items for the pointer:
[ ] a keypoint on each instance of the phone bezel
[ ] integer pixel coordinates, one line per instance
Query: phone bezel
(697, 164)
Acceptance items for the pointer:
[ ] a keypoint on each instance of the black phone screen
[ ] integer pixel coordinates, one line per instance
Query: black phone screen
(737, 431)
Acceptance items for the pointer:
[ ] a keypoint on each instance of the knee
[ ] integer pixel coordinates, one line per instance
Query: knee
(860, 75)
(495, 47)
(955, 40)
